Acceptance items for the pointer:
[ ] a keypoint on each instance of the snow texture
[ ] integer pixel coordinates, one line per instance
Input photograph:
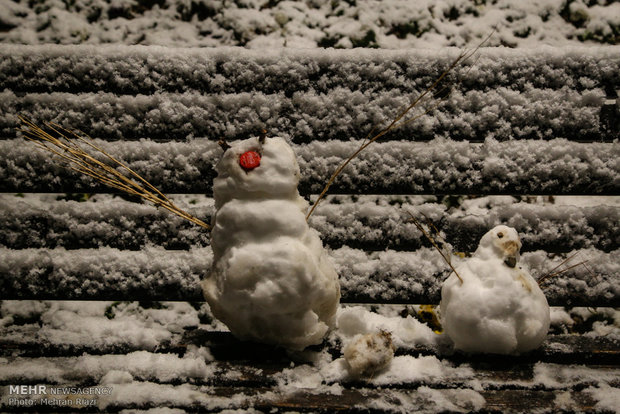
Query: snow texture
(310, 23)
(107, 369)
(109, 327)
(491, 304)
(355, 321)
(441, 166)
(122, 92)
(99, 326)
(542, 120)
(96, 273)
(368, 222)
(271, 280)
(387, 276)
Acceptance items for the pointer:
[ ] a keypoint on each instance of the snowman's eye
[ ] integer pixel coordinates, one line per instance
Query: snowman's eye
(249, 160)
(500, 234)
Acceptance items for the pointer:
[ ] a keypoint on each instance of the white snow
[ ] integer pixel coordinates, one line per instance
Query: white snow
(139, 92)
(105, 220)
(140, 377)
(607, 397)
(388, 275)
(427, 400)
(357, 321)
(108, 369)
(100, 324)
(557, 166)
(311, 23)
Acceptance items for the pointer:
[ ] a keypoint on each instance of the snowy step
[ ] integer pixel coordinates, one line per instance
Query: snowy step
(367, 222)
(440, 167)
(385, 276)
(129, 92)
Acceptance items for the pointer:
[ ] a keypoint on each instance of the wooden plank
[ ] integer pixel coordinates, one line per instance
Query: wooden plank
(500, 380)
(554, 167)
(367, 222)
(429, 400)
(365, 277)
(568, 369)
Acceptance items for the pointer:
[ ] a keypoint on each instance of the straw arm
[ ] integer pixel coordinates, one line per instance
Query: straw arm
(83, 162)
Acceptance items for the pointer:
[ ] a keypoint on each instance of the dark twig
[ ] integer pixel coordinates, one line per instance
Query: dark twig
(432, 240)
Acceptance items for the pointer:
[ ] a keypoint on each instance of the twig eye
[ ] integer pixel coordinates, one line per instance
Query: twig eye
(222, 143)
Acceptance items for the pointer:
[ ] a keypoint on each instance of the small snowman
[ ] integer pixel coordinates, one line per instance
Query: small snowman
(271, 280)
(497, 307)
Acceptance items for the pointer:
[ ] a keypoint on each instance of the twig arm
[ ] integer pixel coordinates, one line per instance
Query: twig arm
(396, 122)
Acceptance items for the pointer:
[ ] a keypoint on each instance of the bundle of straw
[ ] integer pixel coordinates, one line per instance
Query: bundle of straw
(73, 148)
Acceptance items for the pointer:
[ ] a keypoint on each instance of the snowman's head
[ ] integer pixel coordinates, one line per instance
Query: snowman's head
(500, 242)
(256, 168)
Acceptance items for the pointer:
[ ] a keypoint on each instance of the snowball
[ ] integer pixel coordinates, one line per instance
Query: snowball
(498, 307)
(368, 354)
(271, 281)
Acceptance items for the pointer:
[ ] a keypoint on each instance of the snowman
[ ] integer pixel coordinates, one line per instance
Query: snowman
(497, 307)
(271, 280)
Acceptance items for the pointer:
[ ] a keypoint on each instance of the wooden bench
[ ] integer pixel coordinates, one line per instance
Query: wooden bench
(101, 291)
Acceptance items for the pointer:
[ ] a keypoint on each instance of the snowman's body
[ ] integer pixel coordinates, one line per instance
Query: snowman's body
(498, 308)
(271, 280)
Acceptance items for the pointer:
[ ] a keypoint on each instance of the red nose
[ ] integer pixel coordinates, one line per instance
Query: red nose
(249, 160)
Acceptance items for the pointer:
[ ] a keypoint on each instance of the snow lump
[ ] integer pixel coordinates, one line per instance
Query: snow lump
(369, 354)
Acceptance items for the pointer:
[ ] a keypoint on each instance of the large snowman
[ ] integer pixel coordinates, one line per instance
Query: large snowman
(497, 307)
(271, 280)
